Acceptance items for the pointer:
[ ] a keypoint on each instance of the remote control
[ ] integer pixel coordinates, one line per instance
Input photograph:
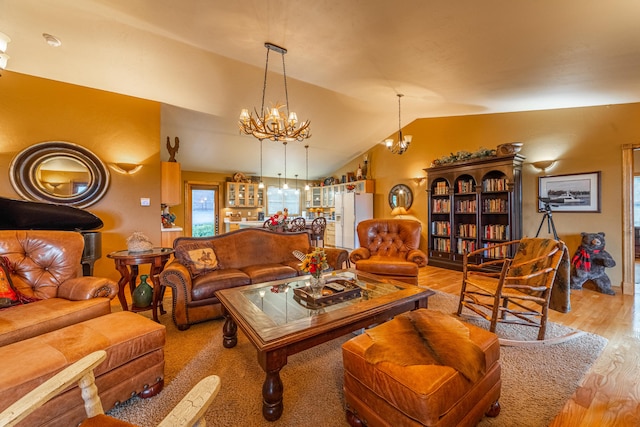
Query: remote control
(335, 286)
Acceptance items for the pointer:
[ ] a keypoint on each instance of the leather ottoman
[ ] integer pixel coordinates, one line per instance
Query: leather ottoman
(134, 365)
(390, 394)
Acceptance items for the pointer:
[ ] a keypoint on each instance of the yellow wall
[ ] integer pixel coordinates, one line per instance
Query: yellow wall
(116, 128)
(580, 139)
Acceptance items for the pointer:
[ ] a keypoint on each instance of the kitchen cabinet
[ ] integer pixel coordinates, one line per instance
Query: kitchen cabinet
(330, 234)
(244, 195)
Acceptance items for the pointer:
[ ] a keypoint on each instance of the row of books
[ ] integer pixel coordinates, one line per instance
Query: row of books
(463, 246)
(494, 184)
(441, 188)
(466, 186)
(441, 206)
(442, 245)
(495, 232)
(466, 206)
(467, 230)
(441, 228)
(494, 205)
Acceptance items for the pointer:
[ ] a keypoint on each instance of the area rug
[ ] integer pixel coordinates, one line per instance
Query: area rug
(536, 381)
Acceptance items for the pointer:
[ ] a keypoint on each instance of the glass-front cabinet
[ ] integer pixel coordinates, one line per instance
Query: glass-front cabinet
(244, 195)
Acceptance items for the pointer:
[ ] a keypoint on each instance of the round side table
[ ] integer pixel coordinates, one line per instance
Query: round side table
(127, 265)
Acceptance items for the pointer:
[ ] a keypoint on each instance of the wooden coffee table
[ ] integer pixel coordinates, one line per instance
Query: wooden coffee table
(280, 324)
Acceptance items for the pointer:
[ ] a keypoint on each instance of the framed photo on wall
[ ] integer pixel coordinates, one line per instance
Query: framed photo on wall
(570, 193)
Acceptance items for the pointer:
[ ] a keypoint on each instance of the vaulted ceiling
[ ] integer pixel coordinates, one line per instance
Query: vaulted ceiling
(346, 61)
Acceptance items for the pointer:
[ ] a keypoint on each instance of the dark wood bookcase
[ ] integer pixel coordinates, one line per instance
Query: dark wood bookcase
(472, 205)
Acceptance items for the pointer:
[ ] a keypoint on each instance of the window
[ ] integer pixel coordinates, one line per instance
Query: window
(278, 199)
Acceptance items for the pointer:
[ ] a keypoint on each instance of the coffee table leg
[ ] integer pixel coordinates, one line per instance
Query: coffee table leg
(272, 392)
(229, 332)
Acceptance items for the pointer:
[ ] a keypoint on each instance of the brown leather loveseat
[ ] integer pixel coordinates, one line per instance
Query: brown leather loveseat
(390, 248)
(241, 257)
(69, 316)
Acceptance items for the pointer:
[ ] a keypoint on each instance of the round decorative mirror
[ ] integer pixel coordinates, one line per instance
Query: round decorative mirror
(59, 172)
(400, 196)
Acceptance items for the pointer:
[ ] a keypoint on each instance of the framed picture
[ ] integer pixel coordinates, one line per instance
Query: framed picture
(570, 193)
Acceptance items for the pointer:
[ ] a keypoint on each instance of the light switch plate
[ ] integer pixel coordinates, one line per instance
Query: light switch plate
(145, 201)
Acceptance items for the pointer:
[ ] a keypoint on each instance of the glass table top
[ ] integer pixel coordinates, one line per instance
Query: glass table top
(282, 302)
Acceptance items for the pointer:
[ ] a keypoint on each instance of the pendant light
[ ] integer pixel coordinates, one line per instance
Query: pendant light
(403, 141)
(297, 190)
(285, 186)
(261, 185)
(306, 185)
(279, 188)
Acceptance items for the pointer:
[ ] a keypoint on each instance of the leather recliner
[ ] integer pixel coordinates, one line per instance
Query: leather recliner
(390, 248)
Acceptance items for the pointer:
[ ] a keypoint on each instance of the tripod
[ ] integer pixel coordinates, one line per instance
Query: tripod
(548, 215)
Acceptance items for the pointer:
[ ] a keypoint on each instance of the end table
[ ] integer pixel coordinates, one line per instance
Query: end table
(127, 263)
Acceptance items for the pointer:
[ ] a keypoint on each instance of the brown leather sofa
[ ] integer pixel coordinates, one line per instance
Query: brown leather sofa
(244, 257)
(70, 319)
(390, 248)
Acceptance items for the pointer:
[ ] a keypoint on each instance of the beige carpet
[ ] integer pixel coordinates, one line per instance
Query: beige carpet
(536, 381)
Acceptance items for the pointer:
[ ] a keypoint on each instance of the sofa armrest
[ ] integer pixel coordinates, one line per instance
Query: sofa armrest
(177, 277)
(417, 256)
(359, 253)
(335, 257)
(87, 287)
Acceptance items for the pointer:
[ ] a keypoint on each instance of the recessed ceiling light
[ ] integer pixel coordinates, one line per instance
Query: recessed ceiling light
(51, 40)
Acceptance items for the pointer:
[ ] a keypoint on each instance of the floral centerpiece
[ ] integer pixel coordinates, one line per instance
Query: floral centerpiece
(279, 220)
(315, 263)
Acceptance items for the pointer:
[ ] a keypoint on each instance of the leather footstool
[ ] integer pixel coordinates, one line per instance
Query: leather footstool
(389, 394)
(134, 364)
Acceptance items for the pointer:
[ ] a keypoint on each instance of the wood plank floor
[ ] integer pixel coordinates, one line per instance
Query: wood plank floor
(610, 392)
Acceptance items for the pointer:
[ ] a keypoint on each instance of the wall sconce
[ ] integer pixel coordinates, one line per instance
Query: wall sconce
(4, 58)
(125, 168)
(543, 165)
(420, 179)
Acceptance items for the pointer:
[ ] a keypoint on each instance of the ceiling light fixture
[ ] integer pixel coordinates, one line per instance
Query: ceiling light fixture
(4, 58)
(52, 41)
(272, 123)
(403, 141)
(306, 183)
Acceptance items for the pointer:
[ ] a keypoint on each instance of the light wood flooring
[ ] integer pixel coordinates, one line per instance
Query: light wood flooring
(610, 392)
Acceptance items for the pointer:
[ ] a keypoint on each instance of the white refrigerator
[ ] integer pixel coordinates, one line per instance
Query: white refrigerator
(351, 208)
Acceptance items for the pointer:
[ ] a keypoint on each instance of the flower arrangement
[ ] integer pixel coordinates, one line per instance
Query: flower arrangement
(315, 263)
(279, 219)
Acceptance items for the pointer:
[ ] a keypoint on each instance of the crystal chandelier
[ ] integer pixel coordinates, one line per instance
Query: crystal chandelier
(403, 140)
(272, 123)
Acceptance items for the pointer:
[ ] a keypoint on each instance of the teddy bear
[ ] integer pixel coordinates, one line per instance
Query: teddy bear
(589, 263)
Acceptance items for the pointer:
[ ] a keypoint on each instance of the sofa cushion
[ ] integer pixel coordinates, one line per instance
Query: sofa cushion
(205, 286)
(267, 272)
(199, 257)
(26, 321)
(384, 266)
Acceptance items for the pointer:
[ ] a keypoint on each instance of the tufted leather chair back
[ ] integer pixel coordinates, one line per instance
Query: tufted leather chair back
(389, 237)
(41, 259)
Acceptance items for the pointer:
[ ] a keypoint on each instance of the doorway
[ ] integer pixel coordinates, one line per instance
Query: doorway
(202, 209)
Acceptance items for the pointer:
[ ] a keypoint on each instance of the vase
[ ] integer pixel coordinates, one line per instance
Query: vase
(143, 294)
(316, 284)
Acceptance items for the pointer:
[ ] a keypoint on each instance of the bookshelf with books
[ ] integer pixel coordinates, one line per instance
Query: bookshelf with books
(472, 205)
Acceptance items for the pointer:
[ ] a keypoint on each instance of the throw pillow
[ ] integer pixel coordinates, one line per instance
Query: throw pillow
(198, 257)
(8, 296)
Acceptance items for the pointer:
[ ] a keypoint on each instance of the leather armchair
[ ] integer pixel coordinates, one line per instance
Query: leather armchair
(390, 248)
